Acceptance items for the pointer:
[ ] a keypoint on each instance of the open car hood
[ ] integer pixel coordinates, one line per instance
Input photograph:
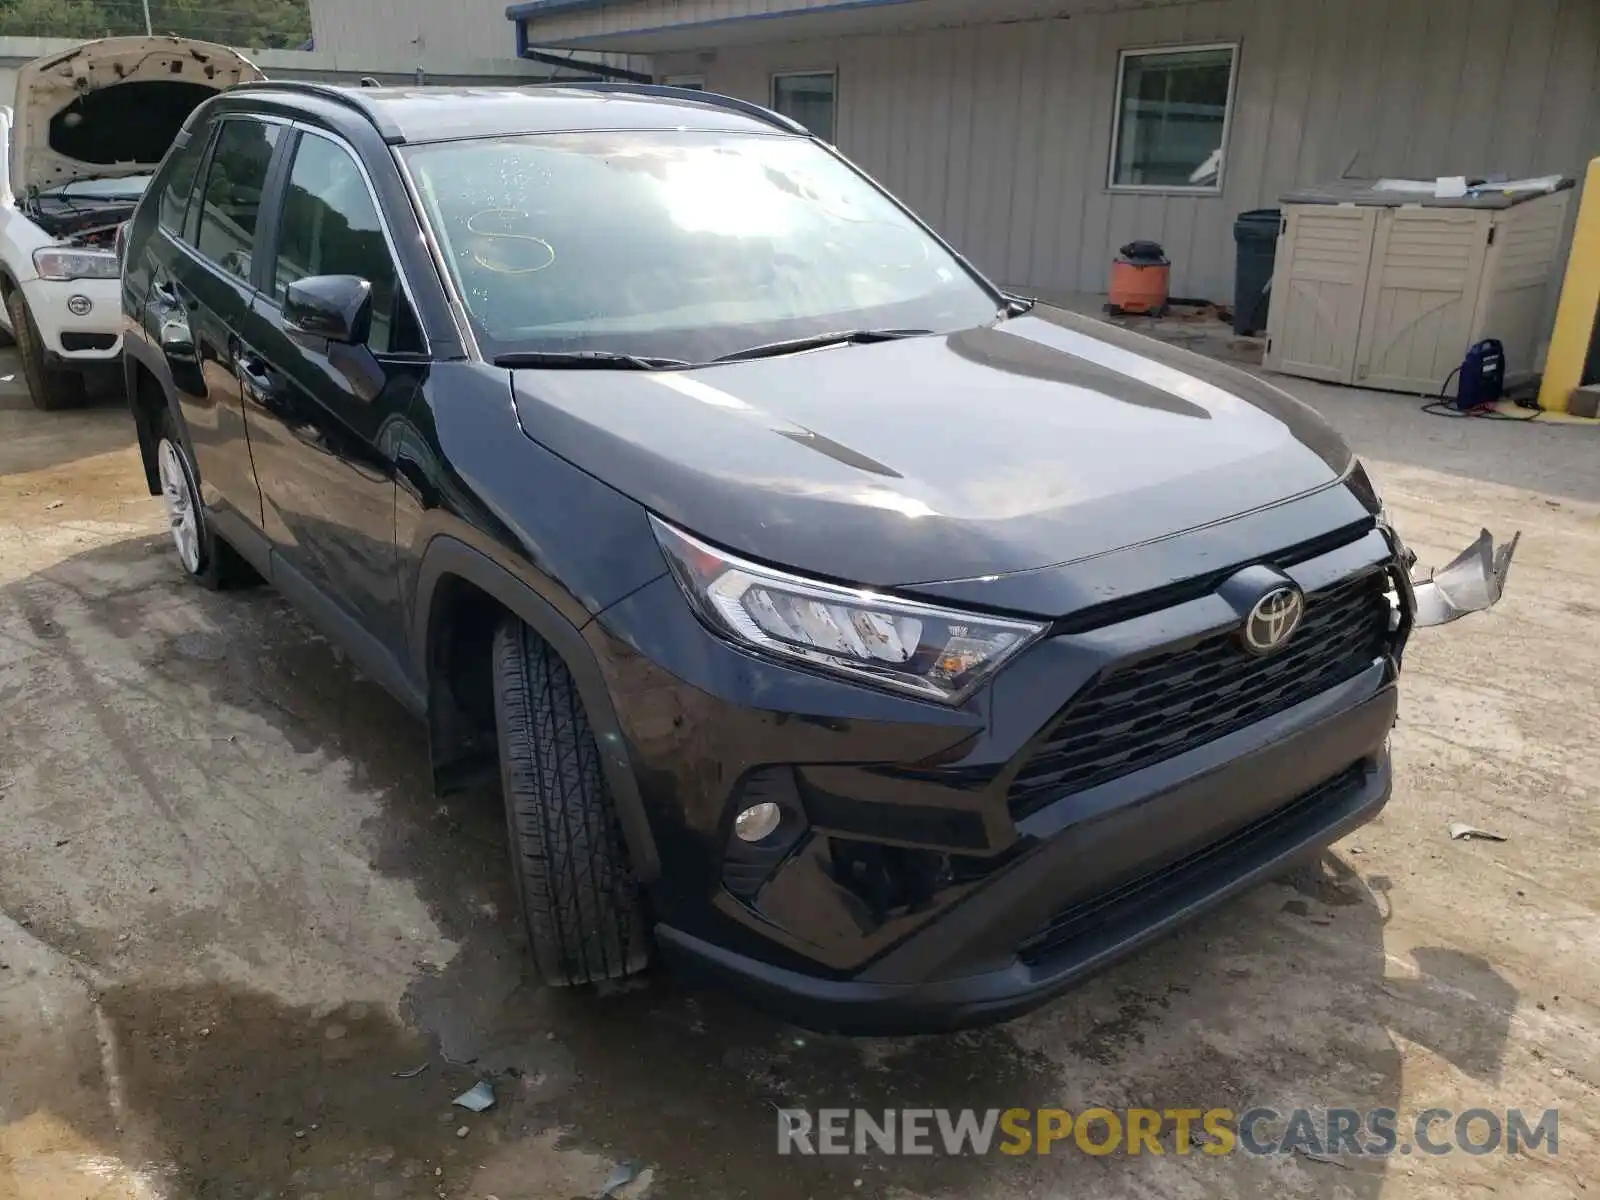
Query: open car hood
(112, 107)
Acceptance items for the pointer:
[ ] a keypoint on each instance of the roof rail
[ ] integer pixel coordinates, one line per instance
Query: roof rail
(387, 129)
(713, 99)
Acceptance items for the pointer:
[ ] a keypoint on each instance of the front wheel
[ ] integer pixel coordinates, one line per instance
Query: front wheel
(579, 898)
(52, 388)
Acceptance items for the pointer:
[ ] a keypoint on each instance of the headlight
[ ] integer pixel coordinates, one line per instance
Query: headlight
(900, 644)
(52, 263)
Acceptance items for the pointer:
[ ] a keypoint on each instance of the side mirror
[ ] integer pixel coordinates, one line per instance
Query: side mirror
(323, 309)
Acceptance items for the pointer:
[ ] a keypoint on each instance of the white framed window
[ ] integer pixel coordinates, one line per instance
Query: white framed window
(1170, 127)
(810, 97)
(695, 83)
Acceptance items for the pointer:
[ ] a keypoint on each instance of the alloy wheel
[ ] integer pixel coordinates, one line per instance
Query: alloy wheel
(182, 514)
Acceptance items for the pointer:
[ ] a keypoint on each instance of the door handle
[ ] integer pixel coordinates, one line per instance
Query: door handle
(173, 331)
(264, 387)
(257, 379)
(177, 339)
(254, 368)
(168, 294)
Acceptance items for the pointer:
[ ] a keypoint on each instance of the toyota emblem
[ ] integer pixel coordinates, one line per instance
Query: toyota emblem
(1273, 620)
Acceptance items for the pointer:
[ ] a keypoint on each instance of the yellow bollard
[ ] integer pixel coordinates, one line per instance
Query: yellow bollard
(1580, 303)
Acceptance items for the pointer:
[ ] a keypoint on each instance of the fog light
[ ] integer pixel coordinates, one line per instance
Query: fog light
(79, 306)
(758, 822)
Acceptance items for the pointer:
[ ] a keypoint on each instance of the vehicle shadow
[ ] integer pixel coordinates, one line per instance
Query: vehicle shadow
(1281, 998)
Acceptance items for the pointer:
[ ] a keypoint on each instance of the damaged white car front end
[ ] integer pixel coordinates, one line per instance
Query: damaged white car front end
(90, 125)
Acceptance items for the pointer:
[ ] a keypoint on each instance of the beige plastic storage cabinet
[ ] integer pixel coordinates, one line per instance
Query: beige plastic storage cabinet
(1388, 290)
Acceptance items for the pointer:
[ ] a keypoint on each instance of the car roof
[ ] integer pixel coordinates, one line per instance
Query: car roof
(430, 114)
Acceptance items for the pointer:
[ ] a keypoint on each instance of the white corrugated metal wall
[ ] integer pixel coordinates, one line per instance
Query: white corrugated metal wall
(655, 14)
(426, 31)
(469, 28)
(1000, 134)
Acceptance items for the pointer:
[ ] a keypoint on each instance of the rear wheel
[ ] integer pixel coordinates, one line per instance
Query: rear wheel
(578, 894)
(53, 388)
(204, 557)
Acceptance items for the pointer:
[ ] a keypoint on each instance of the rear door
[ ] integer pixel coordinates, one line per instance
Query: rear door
(199, 298)
(323, 441)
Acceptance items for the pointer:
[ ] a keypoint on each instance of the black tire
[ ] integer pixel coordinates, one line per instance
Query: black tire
(219, 566)
(52, 388)
(578, 895)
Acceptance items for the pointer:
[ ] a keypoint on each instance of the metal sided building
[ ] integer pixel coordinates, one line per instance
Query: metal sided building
(1040, 135)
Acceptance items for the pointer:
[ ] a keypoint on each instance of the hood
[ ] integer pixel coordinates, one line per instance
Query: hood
(112, 107)
(1041, 441)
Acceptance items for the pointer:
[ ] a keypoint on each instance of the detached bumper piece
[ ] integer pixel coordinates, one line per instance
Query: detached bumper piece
(1471, 583)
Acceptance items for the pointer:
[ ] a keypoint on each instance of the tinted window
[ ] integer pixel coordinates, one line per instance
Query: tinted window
(179, 181)
(679, 244)
(330, 227)
(234, 184)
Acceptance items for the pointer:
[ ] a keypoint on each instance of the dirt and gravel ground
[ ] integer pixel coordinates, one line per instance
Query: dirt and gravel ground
(230, 911)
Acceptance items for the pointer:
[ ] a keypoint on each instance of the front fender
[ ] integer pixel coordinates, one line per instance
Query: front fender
(447, 557)
(139, 355)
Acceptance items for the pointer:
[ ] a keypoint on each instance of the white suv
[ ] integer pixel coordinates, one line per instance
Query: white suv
(89, 127)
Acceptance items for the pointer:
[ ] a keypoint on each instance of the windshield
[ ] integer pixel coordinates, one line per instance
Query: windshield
(127, 187)
(679, 244)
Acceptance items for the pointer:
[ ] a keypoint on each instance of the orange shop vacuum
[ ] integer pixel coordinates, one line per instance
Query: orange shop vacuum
(1140, 277)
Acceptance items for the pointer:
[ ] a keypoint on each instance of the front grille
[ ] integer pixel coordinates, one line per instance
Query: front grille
(1166, 705)
(88, 341)
(1099, 916)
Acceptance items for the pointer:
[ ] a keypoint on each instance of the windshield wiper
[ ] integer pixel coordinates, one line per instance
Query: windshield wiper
(849, 337)
(591, 360)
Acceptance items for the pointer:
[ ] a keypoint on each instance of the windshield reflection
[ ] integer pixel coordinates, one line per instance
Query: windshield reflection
(681, 244)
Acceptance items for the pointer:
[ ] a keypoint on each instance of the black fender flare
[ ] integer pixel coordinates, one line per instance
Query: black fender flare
(448, 556)
(136, 354)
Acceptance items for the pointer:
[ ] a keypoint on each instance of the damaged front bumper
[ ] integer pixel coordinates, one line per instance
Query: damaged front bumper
(1471, 583)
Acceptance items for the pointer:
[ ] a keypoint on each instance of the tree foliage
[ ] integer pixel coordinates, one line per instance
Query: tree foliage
(247, 23)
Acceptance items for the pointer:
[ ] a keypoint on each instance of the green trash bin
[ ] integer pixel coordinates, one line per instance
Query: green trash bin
(1255, 233)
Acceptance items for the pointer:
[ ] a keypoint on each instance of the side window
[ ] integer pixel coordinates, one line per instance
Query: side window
(179, 180)
(331, 226)
(232, 196)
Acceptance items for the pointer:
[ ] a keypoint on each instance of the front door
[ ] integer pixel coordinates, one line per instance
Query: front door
(318, 436)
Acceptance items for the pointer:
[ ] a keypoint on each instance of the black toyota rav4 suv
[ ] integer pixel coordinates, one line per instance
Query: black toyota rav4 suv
(837, 624)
